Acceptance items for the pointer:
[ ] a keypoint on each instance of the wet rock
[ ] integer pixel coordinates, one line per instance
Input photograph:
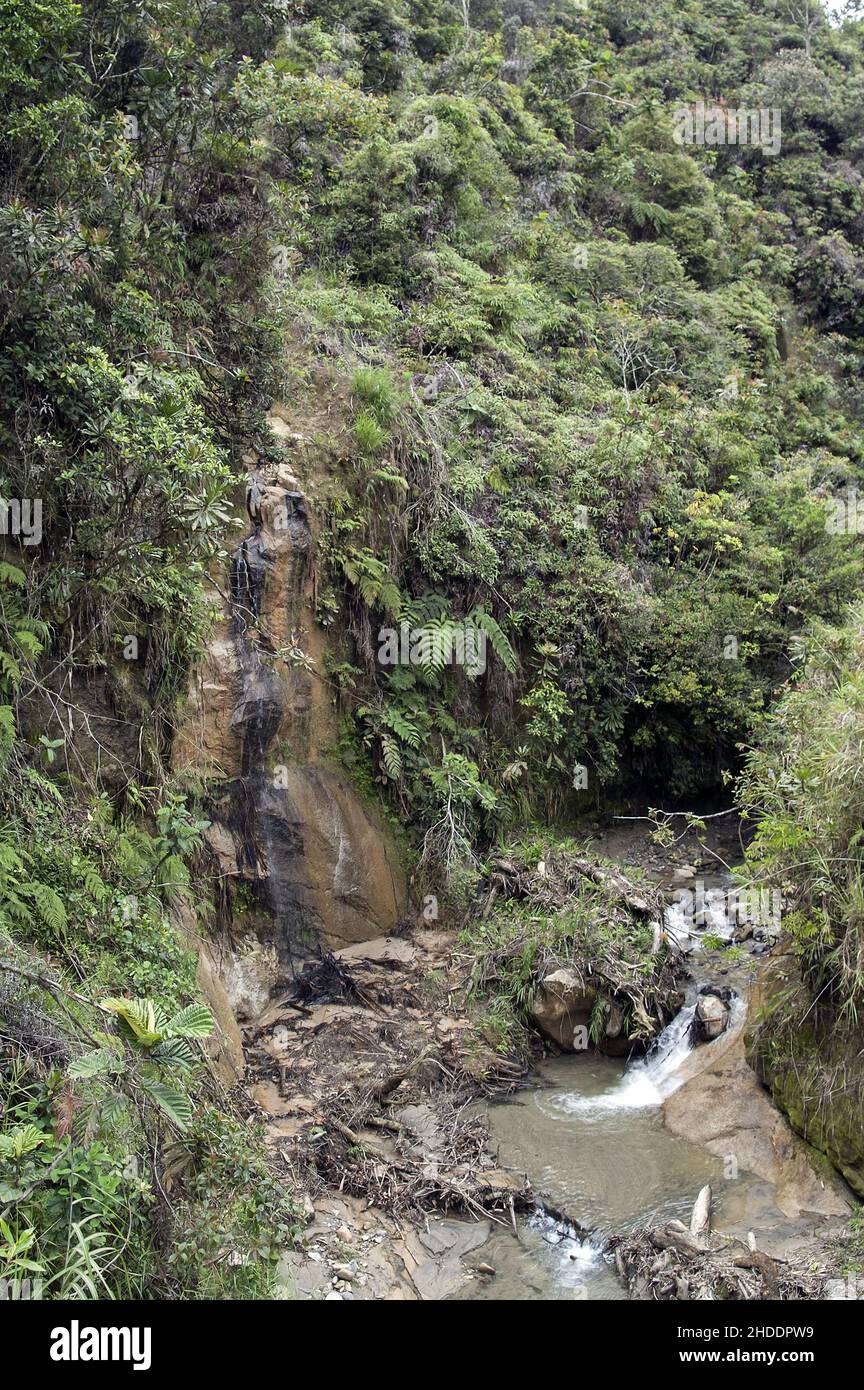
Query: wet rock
(446, 1242)
(383, 950)
(711, 1018)
(563, 1004)
(720, 1103)
(225, 1044)
(261, 725)
(614, 1022)
(248, 977)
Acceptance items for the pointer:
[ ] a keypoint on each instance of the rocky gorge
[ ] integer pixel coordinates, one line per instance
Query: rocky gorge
(351, 1023)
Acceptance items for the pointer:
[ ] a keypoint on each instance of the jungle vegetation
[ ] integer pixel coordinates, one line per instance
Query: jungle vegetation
(588, 389)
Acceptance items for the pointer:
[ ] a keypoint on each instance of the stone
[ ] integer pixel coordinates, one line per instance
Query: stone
(382, 950)
(261, 730)
(720, 1103)
(712, 1016)
(224, 1045)
(561, 1005)
(614, 1021)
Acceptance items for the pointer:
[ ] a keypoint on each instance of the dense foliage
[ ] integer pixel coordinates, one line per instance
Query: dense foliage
(558, 378)
(594, 382)
(135, 363)
(803, 790)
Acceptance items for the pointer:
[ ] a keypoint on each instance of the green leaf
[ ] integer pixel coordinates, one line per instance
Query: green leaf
(140, 1017)
(95, 1063)
(173, 1103)
(195, 1021)
(175, 1052)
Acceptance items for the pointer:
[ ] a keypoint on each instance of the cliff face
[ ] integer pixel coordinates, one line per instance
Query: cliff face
(299, 859)
(814, 1073)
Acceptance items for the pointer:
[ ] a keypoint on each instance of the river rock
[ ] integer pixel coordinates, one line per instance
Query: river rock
(563, 1004)
(615, 1041)
(712, 1016)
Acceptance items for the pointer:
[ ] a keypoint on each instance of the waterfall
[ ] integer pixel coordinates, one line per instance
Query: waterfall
(649, 1080)
(698, 912)
(262, 808)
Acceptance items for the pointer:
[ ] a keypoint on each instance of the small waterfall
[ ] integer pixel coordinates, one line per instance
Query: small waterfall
(653, 1077)
(648, 1081)
(578, 1252)
(269, 823)
(698, 912)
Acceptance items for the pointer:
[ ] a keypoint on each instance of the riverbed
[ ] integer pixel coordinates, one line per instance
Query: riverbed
(590, 1133)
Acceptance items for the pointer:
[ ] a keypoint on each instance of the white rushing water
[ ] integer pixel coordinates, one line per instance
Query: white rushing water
(648, 1081)
(577, 1253)
(699, 912)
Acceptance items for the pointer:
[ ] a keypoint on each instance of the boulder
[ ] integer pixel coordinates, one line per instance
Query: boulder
(712, 1016)
(563, 1004)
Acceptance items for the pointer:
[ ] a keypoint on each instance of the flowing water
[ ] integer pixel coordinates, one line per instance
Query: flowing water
(591, 1137)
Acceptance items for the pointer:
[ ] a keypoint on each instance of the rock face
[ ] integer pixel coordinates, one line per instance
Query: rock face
(711, 1018)
(814, 1070)
(299, 858)
(562, 1009)
(721, 1104)
(321, 861)
(225, 1045)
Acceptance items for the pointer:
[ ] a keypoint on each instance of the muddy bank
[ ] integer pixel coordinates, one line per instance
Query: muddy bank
(366, 1071)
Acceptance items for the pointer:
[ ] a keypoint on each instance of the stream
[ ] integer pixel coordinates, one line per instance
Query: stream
(589, 1132)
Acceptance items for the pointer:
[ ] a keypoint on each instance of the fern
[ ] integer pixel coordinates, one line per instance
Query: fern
(93, 882)
(11, 574)
(400, 723)
(478, 617)
(48, 904)
(391, 755)
(374, 580)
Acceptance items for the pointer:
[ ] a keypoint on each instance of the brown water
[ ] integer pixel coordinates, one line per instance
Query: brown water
(607, 1167)
(590, 1135)
(592, 1140)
